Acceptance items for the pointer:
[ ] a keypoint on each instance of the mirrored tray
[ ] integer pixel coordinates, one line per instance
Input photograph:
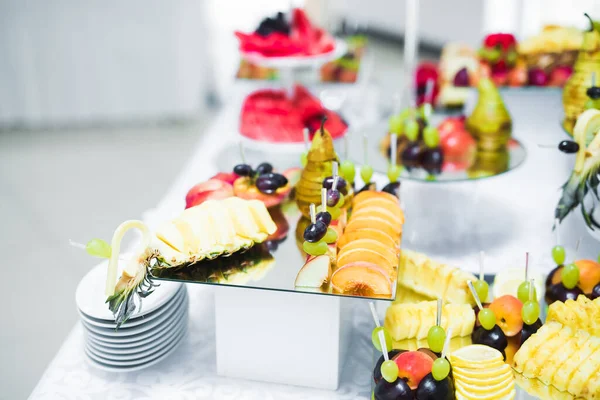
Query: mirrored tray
(272, 265)
(486, 164)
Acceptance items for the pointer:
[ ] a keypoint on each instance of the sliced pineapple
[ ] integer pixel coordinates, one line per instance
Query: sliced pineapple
(532, 344)
(572, 345)
(262, 217)
(578, 314)
(413, 320)
(583, 373)
(545, 352)
(243, 220)
(564, 374)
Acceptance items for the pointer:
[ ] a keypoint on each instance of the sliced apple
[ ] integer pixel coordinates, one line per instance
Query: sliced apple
(212, 189)
(315, 272)
(361, 279)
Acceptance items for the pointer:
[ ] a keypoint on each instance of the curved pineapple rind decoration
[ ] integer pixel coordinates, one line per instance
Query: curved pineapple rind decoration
(585, 178)
(575, 90)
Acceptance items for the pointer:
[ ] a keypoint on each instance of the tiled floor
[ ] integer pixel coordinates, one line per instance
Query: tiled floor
(63, 184)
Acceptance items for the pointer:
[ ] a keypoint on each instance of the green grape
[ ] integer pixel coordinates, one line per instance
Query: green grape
(494, 55)
(523, 292)
(335, 212)
(386, 335)
(348, 171)
(304, 158)
(430, 178)
(405, 114)
(98, 248)
(440, 369)
(511, 58)
(394, 172)
(599, 258)
(436, 338)
(487, 318)
(340, 203)
(431, 136)
(483, 53)
(389, 371)
(315, 249)
(530, 312)
(482, 289)
(331, 236)
(396, 124)
(589, 104)
(372, 395)
(411, 130)
(570, 276)
(558, 254)
(366, 173)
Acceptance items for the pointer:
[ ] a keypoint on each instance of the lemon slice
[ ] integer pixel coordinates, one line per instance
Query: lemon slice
(476, 356)
(489, 375)
(508, 282)
(461, 395)
(485, 387)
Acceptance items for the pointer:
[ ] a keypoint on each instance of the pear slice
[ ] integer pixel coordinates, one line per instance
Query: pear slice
(315, 273)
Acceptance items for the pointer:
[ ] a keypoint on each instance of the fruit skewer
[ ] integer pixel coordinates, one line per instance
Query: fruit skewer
(489, 333)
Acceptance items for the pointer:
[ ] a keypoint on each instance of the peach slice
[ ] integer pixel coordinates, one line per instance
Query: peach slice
(589, 275)
(370, 194)
(245, 189)
(508, 314)
(371, 233)
(413, 366)
(390, 253)
(361, 279)
(378, 212)
(367, 255)
(375, 223)
(380, 203)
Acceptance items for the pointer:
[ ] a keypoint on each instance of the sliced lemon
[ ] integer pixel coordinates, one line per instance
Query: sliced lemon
(486, 387)
(491, 375)
(476, 356)
(461, 395)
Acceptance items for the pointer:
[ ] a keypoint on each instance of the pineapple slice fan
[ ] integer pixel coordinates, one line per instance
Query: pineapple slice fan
(213, 229)
(585, 177)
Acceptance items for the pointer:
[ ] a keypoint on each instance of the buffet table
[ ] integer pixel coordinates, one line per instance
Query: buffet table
(513, 214)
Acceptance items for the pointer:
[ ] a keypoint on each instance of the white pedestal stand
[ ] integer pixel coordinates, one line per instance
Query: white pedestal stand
(282, 337)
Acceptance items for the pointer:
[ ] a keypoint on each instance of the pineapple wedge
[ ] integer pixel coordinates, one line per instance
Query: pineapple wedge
(412, 321)
(432, 279)
(567, 359)
(582, 313)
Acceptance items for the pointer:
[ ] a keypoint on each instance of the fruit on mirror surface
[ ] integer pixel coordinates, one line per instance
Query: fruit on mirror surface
(264, 168)
(314, 273)
(397, 390)
(412, 156)
(523, 292)
(428, 352)
(579, 314)
(245, 189)
(433, 160)
(392, 188)
(559, 292)
(342, 185)
(530, 312)
(413, 366)
(243, 170)
(315, 232)
(435, 338)
(228, 177)
(482, 289)
(529, 330)
(432, 389)
(361, 279)
(213, 189)
(494, 338)
(507, 309)
(375, 338)
(440, 369)
(377, 370)
(315, 249)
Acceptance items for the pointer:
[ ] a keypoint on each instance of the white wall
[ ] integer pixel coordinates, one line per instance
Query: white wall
(72, 61)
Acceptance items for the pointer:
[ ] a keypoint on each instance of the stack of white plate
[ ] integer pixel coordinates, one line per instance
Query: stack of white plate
(153, 331)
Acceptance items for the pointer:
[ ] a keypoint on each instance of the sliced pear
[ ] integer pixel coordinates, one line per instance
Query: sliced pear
(262, 217)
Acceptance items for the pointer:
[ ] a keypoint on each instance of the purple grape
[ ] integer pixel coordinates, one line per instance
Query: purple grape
(342, 185)
(430, 389)
(333, 197)
(315, 232)
(397, 390)
(264, 168)
(493, 338)
(432, 161)
(243, 170)
(529, 330)
(461, 79)
(266, 185)
(537, 77)
(280, 180)
(596, 292)
(324, 216)
(412, 155)
(392, 188)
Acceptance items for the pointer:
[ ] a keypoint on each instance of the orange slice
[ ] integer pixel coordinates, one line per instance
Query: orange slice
(374, 222)
(379, 212)
(390, 253)
(371, 194)
(366, 255)
(361, 279)
(369, 233)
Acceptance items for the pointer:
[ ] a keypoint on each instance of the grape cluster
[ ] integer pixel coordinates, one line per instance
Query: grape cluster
(265, 179)
(568, 287)
(418, 143)
(277, 24)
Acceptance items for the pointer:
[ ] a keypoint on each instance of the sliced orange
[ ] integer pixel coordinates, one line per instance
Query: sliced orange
(366, 255)
(374, 222)
(390, 253)
(361, 279)
(371, 194)
(378, 212)
(370, 233)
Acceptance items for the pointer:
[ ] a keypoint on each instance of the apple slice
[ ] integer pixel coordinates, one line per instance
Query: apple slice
(212, 189)
(315, 273)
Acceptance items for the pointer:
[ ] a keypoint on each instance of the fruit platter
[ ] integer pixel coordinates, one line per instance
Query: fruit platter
(458, 148)
(289, 41)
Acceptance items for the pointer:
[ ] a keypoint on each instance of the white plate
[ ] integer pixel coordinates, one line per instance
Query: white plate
(151, 344)
(136, 330)
(141, 362)
(291, 62)
(161, 329)
(91, 300)
(137, 352)
(100, 323)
